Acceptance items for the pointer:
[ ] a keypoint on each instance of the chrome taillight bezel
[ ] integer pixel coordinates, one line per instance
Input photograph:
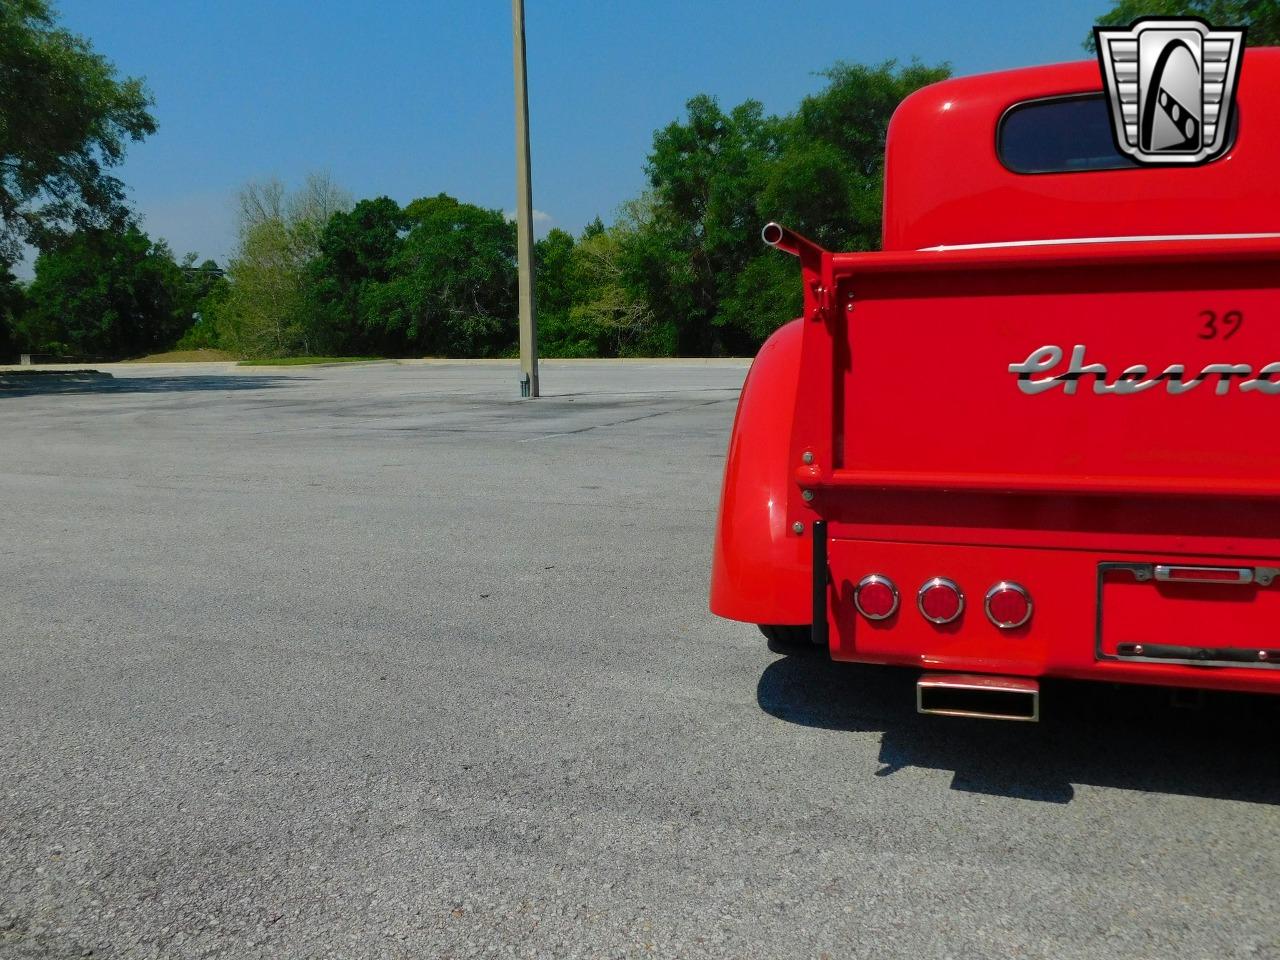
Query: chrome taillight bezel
(1017, 588)
(943, 583)
(875, 578)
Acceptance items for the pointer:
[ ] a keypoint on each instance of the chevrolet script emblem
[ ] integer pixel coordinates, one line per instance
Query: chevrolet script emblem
(1171, 86)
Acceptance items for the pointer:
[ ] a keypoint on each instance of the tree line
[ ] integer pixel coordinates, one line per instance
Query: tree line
(680, 269)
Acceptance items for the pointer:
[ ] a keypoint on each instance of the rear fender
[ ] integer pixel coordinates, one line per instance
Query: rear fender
(760, 568)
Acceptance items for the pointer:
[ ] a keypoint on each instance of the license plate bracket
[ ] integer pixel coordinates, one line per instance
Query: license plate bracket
(1198, 614)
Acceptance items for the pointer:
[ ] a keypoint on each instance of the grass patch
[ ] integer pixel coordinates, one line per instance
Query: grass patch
(203, 355)
(304, 361)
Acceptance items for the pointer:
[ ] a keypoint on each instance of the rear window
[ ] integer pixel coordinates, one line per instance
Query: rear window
(1061, 135)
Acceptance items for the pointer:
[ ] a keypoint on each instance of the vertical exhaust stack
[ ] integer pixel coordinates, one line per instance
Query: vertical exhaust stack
(978, 695)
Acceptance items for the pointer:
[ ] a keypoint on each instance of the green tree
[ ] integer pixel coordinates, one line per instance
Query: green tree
(356, 253)
(453, 291)
(267, 310)
(105, 293)
(717, 177)
(204, 297)
(610, 316)
(554, 291)
(582, 301)
(12, 305)
(706, 174)
(201, 278)
(65, 118)
(827, 182)
(829, 179)
(1262, 17)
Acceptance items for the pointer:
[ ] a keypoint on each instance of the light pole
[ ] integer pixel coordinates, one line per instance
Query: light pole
(524, 215)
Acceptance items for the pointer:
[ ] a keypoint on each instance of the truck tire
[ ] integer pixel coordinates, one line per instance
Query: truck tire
(789, 640)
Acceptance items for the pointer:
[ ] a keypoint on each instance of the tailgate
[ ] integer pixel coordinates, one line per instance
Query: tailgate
(1144, 367)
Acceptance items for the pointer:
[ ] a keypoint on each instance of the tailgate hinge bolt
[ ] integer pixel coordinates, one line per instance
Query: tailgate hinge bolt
(807, 456)
(807, 495)
(797, 527)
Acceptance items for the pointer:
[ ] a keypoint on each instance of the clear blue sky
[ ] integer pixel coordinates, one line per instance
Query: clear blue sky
(414, 97)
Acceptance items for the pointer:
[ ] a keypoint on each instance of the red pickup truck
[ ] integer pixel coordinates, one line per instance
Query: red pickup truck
(1038, 435)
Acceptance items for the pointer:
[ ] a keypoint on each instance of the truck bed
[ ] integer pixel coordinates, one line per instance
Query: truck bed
(935, 369)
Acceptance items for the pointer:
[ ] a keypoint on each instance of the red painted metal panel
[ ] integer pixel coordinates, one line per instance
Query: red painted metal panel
(1060, 639)
(941, 344)
(760, 568)
(1201, 615)
(944, 183)
(967, 476)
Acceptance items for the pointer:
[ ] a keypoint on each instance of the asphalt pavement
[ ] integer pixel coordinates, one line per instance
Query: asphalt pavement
(380, 661)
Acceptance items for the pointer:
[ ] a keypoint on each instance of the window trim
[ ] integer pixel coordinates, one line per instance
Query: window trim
(1130, 164)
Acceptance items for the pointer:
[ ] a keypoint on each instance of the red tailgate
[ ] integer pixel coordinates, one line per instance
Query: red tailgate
(1175, 388)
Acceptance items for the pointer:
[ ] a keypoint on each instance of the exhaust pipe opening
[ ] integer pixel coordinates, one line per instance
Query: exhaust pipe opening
(977, 695)
(788, 241)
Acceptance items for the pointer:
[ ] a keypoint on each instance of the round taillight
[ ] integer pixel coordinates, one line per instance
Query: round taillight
(940, 600)
(876, 597)
(1008, 605)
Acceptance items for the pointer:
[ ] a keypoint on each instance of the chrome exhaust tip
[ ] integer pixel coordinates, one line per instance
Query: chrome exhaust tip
(772, 233)
(978, 695)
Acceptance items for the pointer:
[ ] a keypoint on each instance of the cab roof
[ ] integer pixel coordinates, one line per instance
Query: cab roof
(946, 185)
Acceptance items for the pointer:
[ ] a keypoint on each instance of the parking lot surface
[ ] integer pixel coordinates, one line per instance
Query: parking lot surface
(379, 661)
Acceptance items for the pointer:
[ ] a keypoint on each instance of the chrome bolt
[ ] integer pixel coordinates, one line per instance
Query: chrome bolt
(1137, 650)
(797, 527)
(808, 496)
(1263, 655)
(807, 456)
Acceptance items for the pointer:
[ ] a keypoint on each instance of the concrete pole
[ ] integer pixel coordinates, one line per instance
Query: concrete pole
(524, 215)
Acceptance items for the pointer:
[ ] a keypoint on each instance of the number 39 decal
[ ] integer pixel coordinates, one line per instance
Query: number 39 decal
(1224, 327)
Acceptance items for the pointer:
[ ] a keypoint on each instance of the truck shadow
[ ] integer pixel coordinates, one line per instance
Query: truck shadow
(26, 385)
(1132, 738)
